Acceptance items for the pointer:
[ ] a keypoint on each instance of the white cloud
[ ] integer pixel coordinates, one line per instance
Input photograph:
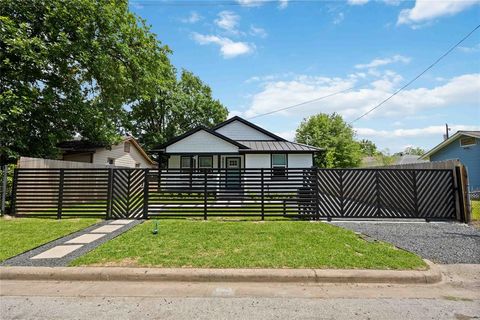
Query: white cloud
(457, 91)
(228, 47)
(259, 32)
(475, 48)
(194, 17)
(289, 135)
(339, 18)
(227, 20)
(384, 61)
(427, 10)
(414, 132)
(357, 2)
(282, 4)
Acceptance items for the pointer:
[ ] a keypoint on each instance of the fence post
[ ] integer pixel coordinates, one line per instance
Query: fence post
(377, 192)
(4, 188)
(109, 193)
(262, 186)
(13, 210)
(342, 197)
(60, 194)
(205, 196)
(145, 194)
(415, 194)
(316, 193)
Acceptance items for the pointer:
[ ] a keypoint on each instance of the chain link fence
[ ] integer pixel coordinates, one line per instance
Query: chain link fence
(475, 205)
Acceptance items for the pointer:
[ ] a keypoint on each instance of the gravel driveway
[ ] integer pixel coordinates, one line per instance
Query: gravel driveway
(440, 242)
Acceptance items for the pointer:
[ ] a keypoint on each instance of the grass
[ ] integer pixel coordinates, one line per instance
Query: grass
(23, 234)
(475, 210)
(221, 244)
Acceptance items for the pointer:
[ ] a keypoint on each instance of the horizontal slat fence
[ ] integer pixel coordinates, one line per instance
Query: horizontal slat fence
(280, 192)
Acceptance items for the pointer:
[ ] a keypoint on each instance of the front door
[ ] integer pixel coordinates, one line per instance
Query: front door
(233, 172)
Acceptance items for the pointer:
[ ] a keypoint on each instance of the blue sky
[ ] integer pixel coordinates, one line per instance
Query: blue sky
(260, 56)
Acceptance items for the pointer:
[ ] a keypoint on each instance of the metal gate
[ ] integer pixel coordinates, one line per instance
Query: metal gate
(127, 194)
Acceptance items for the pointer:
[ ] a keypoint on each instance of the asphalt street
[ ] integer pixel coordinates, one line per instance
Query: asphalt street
(456, 297)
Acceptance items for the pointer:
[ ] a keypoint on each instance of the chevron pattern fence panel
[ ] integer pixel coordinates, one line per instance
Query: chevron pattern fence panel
(128, 194)
(386, 193)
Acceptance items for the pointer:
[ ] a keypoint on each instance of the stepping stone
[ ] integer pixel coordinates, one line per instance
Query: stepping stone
(107, 229)
(123, 221)
(57, 252)
(86, 238)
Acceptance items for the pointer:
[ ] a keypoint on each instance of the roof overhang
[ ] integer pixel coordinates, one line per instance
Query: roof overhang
(445, 143)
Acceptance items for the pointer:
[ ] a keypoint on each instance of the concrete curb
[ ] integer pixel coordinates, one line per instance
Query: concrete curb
(432, 275)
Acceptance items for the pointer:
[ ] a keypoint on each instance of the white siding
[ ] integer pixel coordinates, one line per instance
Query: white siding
(257, 160)
(237, 130)
(300, 160)
(201, 141)
(122, 158)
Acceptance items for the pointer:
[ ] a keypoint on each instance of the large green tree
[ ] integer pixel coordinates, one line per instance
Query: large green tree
(174, 108)
(332, 133)
(71, 66)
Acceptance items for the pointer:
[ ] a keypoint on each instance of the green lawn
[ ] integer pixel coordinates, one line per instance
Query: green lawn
(475, 210)
(246, 244)
(22, 234)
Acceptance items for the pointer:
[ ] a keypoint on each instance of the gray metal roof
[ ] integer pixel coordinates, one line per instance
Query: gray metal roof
(267, 145)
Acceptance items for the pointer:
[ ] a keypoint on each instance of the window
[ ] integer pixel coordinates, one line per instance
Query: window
(205, 162)
(126, 147)
(467, 141)
(279, 164)
(111, 161)
(185, 162)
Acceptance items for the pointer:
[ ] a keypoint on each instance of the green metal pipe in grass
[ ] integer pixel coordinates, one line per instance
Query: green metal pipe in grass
(155, 228)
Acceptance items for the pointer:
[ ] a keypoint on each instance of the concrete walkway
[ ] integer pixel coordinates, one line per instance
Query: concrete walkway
(60, 252)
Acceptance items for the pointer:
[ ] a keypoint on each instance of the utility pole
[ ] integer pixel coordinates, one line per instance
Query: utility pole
(446, 136)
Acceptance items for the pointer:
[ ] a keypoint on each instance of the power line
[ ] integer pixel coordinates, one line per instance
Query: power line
(419, 75)
(305, 102)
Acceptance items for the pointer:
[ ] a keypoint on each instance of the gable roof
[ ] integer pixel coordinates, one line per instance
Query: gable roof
(199, 128)
(444, 143)
(91, 146)
(248, 123)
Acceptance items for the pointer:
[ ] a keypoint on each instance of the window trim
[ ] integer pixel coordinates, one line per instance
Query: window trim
(198, 162)
(191, 162)
(280, 174)
(467, 145)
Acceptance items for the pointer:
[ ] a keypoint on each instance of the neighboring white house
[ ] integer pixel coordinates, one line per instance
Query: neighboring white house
(235, 143)
(128, 153)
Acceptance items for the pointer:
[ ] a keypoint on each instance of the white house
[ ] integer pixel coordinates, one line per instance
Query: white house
(235, 143)
(127, 153)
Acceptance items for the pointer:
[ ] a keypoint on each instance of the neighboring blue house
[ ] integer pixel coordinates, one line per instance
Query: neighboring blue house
(464, 146)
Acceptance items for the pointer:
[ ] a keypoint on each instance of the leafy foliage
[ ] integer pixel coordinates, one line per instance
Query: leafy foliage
(77, 66)
(368, 148)
(333, 134)
(173, 109)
